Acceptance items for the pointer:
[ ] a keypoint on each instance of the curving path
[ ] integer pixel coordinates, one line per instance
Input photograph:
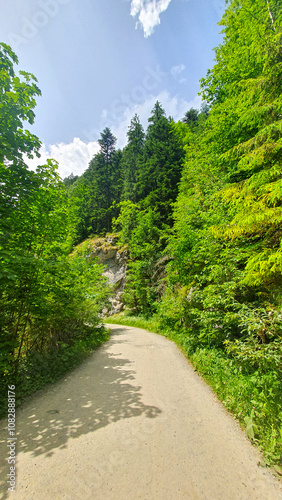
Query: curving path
(133, 422)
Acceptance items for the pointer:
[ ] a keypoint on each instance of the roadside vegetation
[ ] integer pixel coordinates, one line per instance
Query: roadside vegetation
(196, 203)
(50, 295)
(253, 398)
(212, 279)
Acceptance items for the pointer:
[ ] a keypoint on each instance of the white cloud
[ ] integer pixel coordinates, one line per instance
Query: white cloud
(75, 156)
(148, 13)
(72, 158)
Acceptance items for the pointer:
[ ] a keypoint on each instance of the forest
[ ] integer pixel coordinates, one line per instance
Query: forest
(197, 203)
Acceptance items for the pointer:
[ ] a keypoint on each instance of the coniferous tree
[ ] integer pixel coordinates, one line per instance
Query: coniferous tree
(191, 118)
(70, 180)
(224, 282)
(161, 167)
(99, 188)
(132, 155)
(99, 175)
(195, 119)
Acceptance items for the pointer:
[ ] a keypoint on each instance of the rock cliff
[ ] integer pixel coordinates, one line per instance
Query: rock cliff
(113, 258)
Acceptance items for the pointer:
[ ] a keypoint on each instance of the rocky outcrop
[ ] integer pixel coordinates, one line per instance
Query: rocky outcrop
(113, 258)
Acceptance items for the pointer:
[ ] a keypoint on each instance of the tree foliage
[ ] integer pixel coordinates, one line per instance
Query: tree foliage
(223, 282)
(161, 167)
(221, 286)
(16, 106)
(198, 203)
(46, 294)
(132, 160)
(97, 192)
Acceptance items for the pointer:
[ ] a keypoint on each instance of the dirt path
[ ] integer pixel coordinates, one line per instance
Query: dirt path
(133, 422)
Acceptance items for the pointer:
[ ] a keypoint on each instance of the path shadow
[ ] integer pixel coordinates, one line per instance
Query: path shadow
(99, 392)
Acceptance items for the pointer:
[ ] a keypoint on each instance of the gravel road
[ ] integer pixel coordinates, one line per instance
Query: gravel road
(134, 421)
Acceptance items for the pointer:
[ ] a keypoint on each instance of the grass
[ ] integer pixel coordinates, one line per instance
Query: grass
(253, 398)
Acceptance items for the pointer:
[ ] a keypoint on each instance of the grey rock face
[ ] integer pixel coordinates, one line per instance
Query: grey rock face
(114, 260)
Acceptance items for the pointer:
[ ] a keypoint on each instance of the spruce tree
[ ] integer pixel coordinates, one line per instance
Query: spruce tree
(161, 167)
(99, 188)
(132, 156)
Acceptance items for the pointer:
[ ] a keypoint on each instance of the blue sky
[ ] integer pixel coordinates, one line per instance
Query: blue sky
(98, 62)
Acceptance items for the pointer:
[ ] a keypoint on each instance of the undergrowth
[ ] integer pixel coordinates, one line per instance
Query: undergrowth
(254, 398)
(38, 370)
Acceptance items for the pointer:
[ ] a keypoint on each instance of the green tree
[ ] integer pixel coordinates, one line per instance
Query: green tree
(107, 145)
(69, 181)
(250, 109)
(195, 119)
(227, 245)
(222, 287)
(97, 192)
(132, 157)
(16, 106)
(161, 167)
(139, 230)
(45, 296)
(103, 176)
(191, 118)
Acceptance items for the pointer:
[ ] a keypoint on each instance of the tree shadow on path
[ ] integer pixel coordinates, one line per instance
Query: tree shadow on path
(101, 391)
